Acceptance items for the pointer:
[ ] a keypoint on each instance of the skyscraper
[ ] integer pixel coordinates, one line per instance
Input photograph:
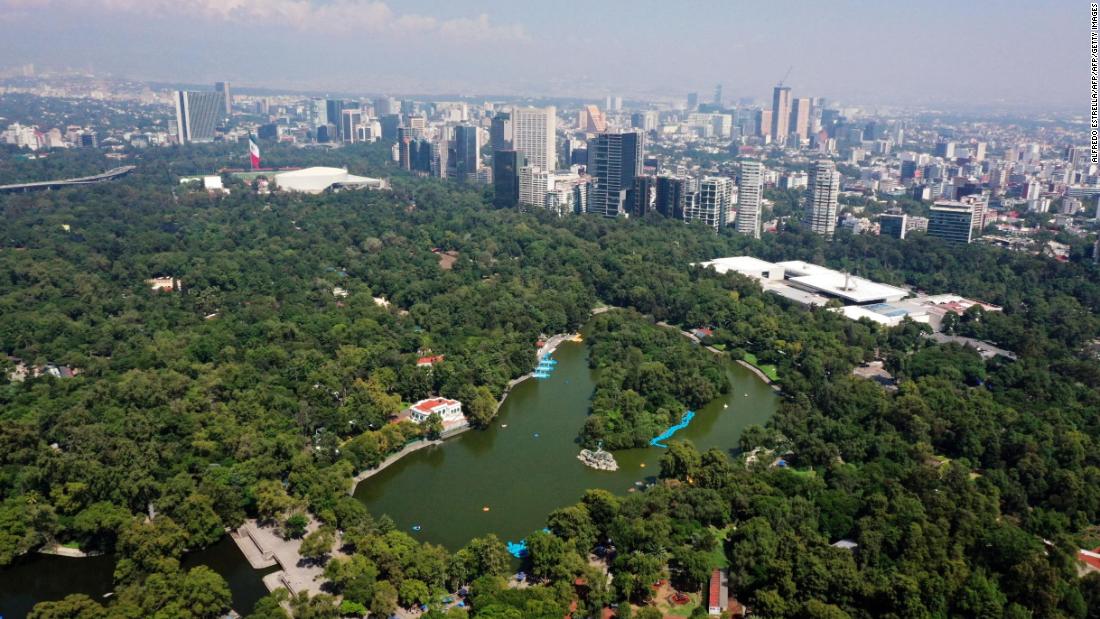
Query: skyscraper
(781, 113)
(333, 109)
(350, 119)
(386, 105)
(440, 158)
(823, 195)
(750, 187)
(534, 183)
(646, 121)
(533, 135)
(390, 125)
(500, 132)
(591, 119)
(908, 170)
(614, 159)
(718, 95)
(405, 157)
(712, 203)
(506, 166)
(643, 195)
(671, 194)
(318, 112)
(467, 152)
(197, 115)
(829, 121)
(764, 123)
(693, 101)
(945, 149)
(800, 118)
(223, 88)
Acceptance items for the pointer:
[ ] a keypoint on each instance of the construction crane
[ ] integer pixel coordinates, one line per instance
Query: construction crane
(786, 75)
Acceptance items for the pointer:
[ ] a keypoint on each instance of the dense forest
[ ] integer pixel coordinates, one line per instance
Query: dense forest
(649, 376)
(254, 390)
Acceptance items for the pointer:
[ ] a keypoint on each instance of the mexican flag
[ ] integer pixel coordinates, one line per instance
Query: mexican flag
(254, 152)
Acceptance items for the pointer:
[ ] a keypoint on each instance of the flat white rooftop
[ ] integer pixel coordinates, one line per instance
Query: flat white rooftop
(806, 283)
(797, 295)
(834, 283)
(742, 264)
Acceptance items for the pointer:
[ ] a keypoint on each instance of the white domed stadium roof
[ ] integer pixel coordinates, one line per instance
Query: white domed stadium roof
(319, 179)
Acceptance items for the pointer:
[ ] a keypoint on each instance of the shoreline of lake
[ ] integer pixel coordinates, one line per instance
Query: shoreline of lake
(548, 348)
(525, 465)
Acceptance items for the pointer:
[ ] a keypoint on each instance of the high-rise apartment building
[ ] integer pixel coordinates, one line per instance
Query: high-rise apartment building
(440, 158)
(417, 126)
(763, 123)
(197, 115)
(318, 112)
(711, 203)
(800, 118)
(533, 135)
(386, 105)
(591, 119)
(646, 121)
(671, 194)
(614, 159)
(781, 113)
(643, 196)
(227, 97)
(534, 183)
(750, 189)
(824, 192)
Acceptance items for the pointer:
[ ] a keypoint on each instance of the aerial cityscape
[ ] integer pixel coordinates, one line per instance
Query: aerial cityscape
(317, 309)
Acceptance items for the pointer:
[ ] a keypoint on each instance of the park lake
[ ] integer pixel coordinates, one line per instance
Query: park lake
(521, 468)
(525, 465)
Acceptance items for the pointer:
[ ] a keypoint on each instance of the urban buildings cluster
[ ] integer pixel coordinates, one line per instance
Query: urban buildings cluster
(722, 163)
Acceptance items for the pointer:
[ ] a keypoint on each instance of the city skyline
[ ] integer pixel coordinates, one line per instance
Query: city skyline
(934, 54)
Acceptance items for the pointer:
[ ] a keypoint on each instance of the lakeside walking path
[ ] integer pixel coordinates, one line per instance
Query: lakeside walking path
(745, 364)
(263, 547)
(755, 370)
(547, 348)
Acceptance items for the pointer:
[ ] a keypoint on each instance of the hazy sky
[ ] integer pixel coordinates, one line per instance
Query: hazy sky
(882, 51)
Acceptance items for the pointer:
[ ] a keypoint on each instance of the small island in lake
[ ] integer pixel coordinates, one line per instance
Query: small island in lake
(599, 459)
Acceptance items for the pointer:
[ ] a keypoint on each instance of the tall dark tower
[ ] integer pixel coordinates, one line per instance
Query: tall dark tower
(467, 152)
(500, 133)
(506, 165)
(614, 159)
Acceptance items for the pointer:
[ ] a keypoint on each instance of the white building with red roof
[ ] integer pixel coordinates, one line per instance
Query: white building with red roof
(428, 361)
(449, 411)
